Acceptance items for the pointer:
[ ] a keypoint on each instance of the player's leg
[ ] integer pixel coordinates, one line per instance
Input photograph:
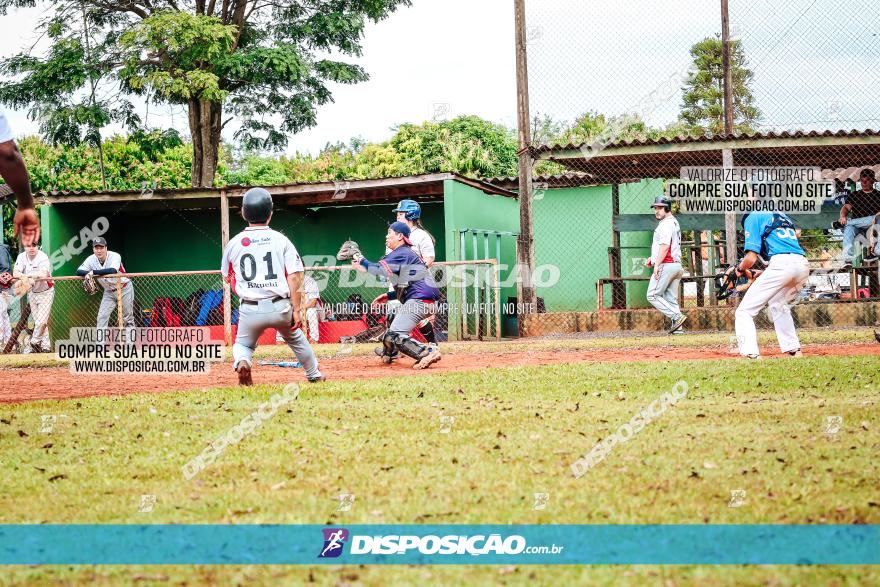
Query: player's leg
(409, 315)
(312, 318)
(780, 311)
(297, 341)
(41, 308)
(5, 326)
(756, 297)
(671, 297)
(108, 304)
(251, 325)
(853, 227)
(426, 327)
(128, 305)
(658, 297)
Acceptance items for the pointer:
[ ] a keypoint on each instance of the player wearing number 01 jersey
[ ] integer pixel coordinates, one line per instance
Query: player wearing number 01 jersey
(264, 268)
(772, 236)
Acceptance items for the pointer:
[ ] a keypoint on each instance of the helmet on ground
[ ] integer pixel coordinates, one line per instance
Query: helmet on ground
(410, 208)
(662, 201)
(256, 205)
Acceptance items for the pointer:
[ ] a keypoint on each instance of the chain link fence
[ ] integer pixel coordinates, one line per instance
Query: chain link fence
(341, 304)
(626, 97)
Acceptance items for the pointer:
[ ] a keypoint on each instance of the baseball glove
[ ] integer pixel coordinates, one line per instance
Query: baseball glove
(729, 285)
(349, 250)
(22, 286)
(89, 285)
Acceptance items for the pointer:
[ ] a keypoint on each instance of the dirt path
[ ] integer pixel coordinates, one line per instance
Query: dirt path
(20, 385)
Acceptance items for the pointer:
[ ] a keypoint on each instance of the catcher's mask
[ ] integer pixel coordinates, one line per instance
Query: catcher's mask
(256, 205)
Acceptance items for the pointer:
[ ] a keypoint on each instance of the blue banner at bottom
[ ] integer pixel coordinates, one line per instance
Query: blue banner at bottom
(440, 544)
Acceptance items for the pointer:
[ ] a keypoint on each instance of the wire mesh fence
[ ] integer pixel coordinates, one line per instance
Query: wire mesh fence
(340, 304)
(628, 99)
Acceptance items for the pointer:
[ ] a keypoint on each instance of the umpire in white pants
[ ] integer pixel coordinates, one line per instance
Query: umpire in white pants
(666, 261)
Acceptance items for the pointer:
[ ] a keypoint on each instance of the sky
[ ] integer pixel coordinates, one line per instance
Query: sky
(443, 58)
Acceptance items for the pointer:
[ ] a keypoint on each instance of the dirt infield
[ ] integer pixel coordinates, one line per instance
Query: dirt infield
(58, 383)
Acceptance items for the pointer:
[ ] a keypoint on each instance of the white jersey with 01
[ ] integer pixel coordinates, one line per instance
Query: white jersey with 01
(259, 260)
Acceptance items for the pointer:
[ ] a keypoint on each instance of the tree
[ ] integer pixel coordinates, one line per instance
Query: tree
(703, 101)
(259, 60)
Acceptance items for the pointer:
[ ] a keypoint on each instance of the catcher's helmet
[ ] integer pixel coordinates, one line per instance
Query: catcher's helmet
(662, 201)
(256, 206)
(410, 208)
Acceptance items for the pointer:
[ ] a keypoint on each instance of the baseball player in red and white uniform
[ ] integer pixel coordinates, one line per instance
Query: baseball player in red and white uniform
(34, 263)
(265, 268)
(666, 261)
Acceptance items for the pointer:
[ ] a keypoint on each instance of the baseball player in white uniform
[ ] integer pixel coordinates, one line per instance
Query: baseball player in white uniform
(265, 269)
(34, 263)
(106, 262)
(666, 261)
(773, 236)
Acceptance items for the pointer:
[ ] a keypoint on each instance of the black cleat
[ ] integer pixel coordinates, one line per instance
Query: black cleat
(244, 374)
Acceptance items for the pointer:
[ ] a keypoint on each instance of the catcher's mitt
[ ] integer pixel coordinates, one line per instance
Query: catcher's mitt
(22, 286)
(729, 285)
(349, 250)
(89, 285)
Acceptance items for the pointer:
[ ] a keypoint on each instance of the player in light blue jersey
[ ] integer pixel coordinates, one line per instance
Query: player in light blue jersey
(774, 237)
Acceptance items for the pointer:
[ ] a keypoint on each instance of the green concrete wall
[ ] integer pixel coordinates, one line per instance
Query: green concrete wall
(573, 232)
(469, 208)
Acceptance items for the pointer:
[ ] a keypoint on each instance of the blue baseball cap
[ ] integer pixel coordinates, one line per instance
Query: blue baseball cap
(403, 229)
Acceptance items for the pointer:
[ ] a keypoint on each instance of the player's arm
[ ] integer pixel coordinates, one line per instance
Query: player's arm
(18, 268)
(752, 246)
(13, 170)
(747, 263)
(295, 283)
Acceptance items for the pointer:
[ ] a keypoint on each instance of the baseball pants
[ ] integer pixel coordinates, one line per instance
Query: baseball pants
(41, 309)
(108, 304)
(409, 315)
(5, 327)
(776, 287)
(254, 320)
(663, 292)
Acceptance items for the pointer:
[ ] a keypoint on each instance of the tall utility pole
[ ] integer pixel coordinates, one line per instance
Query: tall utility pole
(525, 251)
(727, 154)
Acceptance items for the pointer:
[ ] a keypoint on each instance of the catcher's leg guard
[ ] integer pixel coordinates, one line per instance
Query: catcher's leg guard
(424, 355)
(427, 330)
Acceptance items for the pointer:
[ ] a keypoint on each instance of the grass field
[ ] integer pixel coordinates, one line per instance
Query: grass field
(758, 427)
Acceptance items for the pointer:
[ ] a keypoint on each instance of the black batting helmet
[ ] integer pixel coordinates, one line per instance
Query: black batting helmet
(256, 205)
(662, 201)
